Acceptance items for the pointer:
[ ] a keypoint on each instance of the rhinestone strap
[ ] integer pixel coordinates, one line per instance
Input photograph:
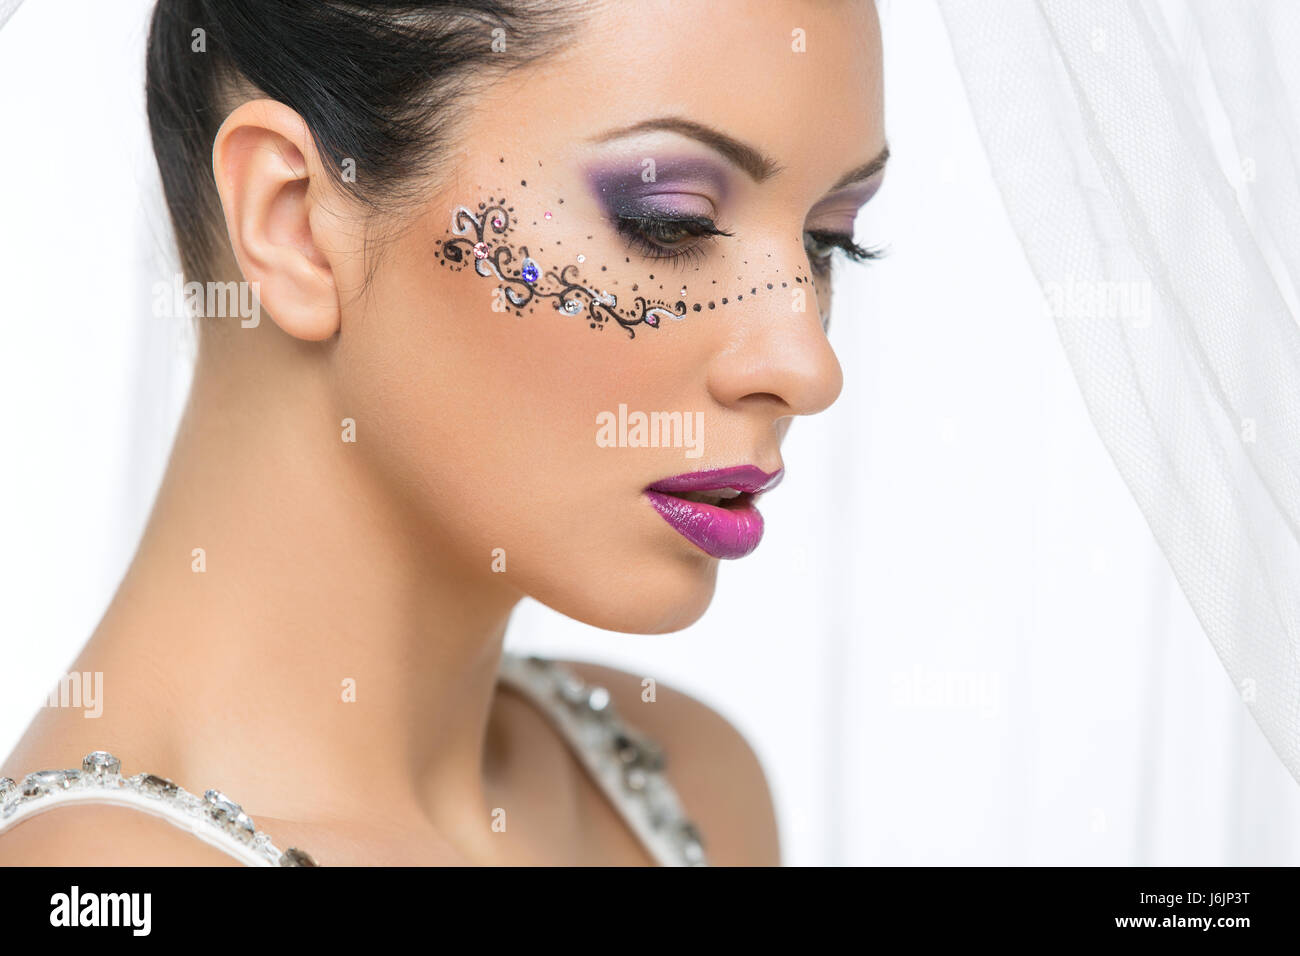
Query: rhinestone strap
(627, 766)
(214, 817)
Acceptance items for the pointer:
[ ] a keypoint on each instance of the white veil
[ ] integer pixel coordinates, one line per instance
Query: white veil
(7, 8)
(1148, 155)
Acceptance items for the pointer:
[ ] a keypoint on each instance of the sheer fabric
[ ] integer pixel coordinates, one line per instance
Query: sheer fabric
(1147, 156)
(7, 8)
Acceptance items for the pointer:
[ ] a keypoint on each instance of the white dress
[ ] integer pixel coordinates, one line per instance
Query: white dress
(627, 767)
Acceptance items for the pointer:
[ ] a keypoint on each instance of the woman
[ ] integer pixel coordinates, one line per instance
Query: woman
(539, 288)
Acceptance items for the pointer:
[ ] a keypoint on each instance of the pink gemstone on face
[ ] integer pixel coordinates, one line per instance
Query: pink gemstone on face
(480, 250)
(498, 222)
(546, 216)
(652, 320)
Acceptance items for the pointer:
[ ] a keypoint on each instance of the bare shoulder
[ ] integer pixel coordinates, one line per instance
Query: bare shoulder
(710, 764)
(104, 835)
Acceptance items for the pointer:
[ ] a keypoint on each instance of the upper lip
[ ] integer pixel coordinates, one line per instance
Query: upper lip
(747, 479)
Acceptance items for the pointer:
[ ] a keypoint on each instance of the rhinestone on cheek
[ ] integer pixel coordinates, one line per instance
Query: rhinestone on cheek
(530, 272)
(480, 250)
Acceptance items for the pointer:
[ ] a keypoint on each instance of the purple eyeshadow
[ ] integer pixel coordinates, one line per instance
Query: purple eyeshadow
(838, 212)
(675, 190)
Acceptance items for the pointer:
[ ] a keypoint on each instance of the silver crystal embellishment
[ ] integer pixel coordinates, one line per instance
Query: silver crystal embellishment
(44, 780)
(101, 763)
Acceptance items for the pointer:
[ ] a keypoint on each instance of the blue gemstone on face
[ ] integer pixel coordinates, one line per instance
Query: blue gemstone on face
(530, 272)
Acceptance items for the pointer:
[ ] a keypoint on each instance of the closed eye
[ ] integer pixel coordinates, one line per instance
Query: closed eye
(668, 237)
(821, 247)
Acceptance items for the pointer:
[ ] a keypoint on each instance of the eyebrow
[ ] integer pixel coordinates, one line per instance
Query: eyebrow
(753, 161)
(865, 171)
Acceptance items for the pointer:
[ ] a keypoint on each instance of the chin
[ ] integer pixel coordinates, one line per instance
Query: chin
(657, 594)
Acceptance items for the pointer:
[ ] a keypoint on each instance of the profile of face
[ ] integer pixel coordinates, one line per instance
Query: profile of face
(618, 279)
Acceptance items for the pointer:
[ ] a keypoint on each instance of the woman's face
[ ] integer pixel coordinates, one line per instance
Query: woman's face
(621, 277)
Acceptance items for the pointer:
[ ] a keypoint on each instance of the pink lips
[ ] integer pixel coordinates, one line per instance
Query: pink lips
(728, 530)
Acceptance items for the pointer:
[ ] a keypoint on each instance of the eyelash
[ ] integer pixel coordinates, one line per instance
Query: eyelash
(844, 243)
(647, 235)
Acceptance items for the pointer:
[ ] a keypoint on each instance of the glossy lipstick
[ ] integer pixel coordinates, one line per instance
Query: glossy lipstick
(714, 510)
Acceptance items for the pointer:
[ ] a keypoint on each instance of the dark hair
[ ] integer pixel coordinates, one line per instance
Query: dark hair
(380, 82)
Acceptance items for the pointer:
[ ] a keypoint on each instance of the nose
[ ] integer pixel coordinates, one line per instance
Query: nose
(778, 351)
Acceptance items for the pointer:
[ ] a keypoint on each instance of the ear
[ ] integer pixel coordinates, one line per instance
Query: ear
(270, 180)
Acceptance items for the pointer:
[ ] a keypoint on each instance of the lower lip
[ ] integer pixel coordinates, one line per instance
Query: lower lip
(726, 533)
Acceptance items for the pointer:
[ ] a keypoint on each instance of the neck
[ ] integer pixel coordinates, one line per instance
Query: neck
(324, 642)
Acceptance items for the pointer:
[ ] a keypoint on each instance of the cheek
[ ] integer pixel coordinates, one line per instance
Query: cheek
(483, 414)
(478, 414)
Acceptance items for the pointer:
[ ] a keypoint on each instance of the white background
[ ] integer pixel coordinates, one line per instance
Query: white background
(958, 642)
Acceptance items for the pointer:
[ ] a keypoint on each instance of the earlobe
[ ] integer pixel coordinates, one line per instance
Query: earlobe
(264, 163)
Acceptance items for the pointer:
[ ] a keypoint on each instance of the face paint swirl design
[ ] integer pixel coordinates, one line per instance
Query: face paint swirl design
(666, 221)
(483, 239)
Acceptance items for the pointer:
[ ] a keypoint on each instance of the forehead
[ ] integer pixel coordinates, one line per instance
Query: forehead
(801, 81)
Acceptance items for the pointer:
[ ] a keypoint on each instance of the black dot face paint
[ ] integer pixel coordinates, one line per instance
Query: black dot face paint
(484, 240)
